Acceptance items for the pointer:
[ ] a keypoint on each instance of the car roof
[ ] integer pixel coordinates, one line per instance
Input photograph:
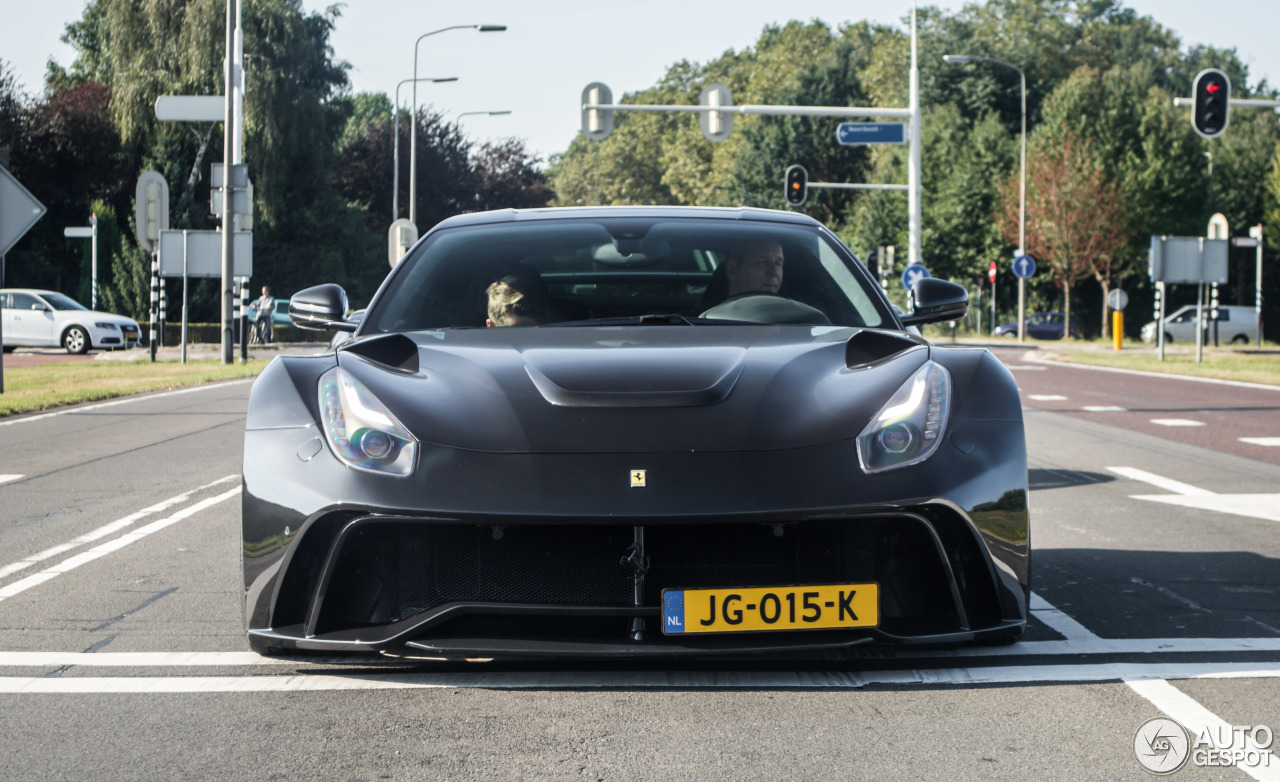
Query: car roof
(615, 212)
(38, 291)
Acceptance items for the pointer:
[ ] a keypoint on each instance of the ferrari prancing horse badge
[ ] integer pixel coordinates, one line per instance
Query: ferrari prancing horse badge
(637, 479)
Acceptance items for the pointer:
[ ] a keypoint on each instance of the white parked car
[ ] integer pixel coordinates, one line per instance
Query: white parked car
(36, 318)
(1236, 324)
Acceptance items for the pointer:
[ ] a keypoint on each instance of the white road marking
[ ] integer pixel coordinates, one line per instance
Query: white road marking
(7, 478)
(106, 529)
(707, 680)
(1046, 397)
(1059, 622)
(1024, 368)
(1191, 378)
(1085, 647)
(1258, 506)
(1176, 422)
(1179, 706)
(1159, 481)
(125, 401)
(1104, 409)
(1169, 593)
(35, 579)
(1266, 442)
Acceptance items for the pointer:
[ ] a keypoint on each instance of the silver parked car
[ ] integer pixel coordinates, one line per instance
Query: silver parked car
(39, 318)
(1236, 324)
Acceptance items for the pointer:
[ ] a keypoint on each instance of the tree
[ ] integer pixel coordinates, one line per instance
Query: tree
(507, 178)
(1075, 214)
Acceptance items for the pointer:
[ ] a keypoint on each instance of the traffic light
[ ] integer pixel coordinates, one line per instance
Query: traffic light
(797, 185)
(1212, 96)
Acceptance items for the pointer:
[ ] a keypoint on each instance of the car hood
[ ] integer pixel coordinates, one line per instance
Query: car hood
(633, 389)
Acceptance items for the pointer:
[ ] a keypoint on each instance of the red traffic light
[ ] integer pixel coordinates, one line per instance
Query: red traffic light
(1212, 98)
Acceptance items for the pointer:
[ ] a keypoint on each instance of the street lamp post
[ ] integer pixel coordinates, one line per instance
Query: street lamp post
(395, 132)
(413, 137)
(960, 59)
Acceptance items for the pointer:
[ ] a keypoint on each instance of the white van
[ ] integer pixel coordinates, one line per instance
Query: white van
(1236, 325)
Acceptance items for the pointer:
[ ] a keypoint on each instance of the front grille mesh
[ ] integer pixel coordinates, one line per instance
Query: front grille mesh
(388, 571)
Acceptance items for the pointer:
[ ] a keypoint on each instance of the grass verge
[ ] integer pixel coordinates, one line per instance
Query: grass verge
(1249, 366)
(28, 389)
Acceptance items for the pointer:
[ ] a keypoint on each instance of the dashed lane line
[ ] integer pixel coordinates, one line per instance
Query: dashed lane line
(35, 579)
(1266, 442)
(1046, 397)
(703, 680)
(8, 478)
(1105, 409)
(1176, 422)
(106, 529)
(1160, 482)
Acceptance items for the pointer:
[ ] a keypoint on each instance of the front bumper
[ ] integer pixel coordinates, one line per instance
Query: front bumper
(414, 585)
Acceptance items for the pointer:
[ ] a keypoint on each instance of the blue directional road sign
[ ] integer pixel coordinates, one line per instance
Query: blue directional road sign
(915, 271)
(1024, 266)
(851, 133)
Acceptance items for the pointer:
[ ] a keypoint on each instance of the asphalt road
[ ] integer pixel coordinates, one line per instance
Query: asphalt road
(1155, 574)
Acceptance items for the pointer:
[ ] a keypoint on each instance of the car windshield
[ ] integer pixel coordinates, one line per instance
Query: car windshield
(60, 302)
(625, 270)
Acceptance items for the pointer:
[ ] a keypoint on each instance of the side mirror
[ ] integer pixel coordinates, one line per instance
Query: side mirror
(936, 301)
(38, 307)
(323, 307)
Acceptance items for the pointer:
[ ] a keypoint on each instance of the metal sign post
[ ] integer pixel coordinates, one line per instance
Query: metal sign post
(1023, 267)
(1256, 234)
(89, 232)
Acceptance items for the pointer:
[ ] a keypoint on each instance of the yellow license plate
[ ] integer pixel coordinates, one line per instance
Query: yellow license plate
(760, 609)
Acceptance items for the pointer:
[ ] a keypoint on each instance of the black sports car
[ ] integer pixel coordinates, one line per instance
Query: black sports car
(691, 431)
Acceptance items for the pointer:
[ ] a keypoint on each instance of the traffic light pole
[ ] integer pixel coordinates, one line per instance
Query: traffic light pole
(840, 186)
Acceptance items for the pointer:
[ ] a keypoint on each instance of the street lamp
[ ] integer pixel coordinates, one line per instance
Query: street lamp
(962, 59)
(395, 156)
(413, 137)
(479, 113)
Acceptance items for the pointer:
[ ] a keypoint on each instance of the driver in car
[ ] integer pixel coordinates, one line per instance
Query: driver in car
(754, 267)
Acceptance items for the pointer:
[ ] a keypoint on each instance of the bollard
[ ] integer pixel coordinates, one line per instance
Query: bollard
(244, 320)
(154, 311)
(1117, 328)
(164, 300)
(237, 295)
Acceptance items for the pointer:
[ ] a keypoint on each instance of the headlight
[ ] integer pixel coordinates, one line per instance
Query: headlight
(108, 326)
(360, 430)
(909, 427)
